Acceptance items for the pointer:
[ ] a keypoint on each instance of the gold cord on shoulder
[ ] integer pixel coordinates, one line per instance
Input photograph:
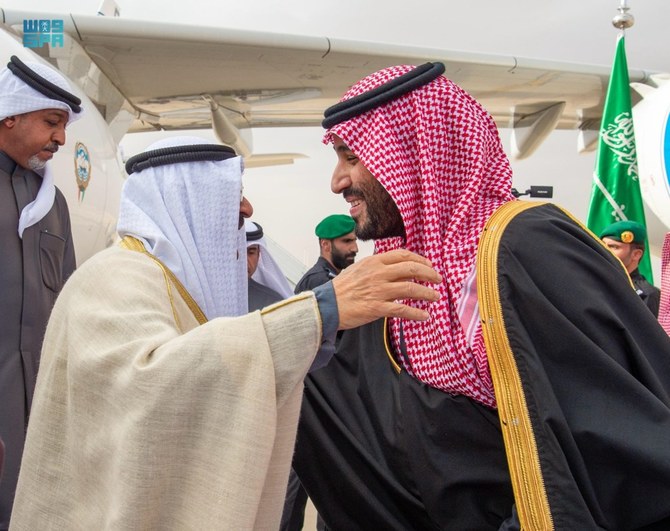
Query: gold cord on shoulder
(133, 244)
(520, 444)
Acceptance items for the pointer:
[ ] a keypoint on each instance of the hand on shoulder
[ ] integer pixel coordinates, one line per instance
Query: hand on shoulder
(369, 289)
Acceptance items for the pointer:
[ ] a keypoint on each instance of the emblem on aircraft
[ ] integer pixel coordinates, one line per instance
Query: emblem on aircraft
(652, 132)
(82, 168)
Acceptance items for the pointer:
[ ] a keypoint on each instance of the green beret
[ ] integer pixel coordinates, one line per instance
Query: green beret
(335, 226)
(625, 231)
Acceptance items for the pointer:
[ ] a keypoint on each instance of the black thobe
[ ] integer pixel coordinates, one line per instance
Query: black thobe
(581, 371)
(32, 272)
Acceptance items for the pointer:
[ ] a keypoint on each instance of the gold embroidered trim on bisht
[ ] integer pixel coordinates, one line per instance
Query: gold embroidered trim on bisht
(387, 347)
(133, 244)
(520, 444)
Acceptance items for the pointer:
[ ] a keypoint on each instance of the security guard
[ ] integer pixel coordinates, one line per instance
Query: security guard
(337, 243)
(626, 240)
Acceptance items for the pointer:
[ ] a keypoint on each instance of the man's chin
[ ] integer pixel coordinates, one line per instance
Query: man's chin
(35, 163)
(364, 233)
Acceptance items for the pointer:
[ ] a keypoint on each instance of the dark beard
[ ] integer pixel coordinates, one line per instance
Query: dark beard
(383, 217)
(340, 260)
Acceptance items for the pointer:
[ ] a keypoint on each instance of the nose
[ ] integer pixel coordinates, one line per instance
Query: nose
(246, 210)
(340, 180)
(354, 248)
(59, 136)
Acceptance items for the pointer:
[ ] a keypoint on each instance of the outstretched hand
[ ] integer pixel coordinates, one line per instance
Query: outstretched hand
(368, 289)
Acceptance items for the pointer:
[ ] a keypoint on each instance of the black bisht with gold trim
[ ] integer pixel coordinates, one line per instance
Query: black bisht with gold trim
(581, 372)
(581, 436)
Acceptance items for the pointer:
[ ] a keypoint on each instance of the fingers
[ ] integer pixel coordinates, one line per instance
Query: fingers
(399, 265)
(407, 312)
(406, 264)
(409, 290)
(411, 270)
(402, 255)
(350, 318)
(371, 288)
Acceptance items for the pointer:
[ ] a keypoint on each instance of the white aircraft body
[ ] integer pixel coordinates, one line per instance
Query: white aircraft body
(140, 76)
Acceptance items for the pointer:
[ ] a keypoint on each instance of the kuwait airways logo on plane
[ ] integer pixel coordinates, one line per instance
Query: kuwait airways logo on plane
(82, 168)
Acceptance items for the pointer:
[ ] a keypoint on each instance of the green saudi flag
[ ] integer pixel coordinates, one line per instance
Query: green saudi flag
(616, 192)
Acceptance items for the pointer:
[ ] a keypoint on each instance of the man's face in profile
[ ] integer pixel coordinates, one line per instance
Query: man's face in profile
(629, 254)
(373, 209)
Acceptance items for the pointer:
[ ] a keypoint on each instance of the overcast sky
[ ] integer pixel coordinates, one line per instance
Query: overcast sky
(290, 200)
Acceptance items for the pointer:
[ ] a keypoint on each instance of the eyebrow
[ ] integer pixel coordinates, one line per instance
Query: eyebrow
(342, 148)
(52, 113)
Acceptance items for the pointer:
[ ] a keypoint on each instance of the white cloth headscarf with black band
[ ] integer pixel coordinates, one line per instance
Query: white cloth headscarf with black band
(268, 271)
(437, 153)
(18, 97)
(187, 215)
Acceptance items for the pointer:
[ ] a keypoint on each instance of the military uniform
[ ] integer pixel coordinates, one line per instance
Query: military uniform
(329, 228)
(630, 232)
(320, 273)
(649, 293)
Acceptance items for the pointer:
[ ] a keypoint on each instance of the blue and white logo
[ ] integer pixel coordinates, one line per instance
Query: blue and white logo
(652, 135)
(37, 33)
(82, 168)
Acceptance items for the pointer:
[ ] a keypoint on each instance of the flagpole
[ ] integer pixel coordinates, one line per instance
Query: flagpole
(624, 19)
(615, 192)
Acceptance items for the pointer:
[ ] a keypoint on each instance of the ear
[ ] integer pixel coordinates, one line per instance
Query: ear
(9, 122)
(637, 255)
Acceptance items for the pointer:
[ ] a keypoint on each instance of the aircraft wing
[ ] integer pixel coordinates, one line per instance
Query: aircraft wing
(170, 76)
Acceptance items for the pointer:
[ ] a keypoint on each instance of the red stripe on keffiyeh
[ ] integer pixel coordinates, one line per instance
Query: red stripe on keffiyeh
(438, 154)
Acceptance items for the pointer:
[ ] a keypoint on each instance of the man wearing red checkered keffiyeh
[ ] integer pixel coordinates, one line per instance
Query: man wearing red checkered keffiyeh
(447, 174)
(514, 404)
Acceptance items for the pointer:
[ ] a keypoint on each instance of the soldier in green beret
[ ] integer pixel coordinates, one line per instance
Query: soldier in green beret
(626, 240)
(338, 249)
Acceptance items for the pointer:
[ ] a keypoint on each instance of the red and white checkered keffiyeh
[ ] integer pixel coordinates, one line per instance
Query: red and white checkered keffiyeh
(664, 308)
(438, 154)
